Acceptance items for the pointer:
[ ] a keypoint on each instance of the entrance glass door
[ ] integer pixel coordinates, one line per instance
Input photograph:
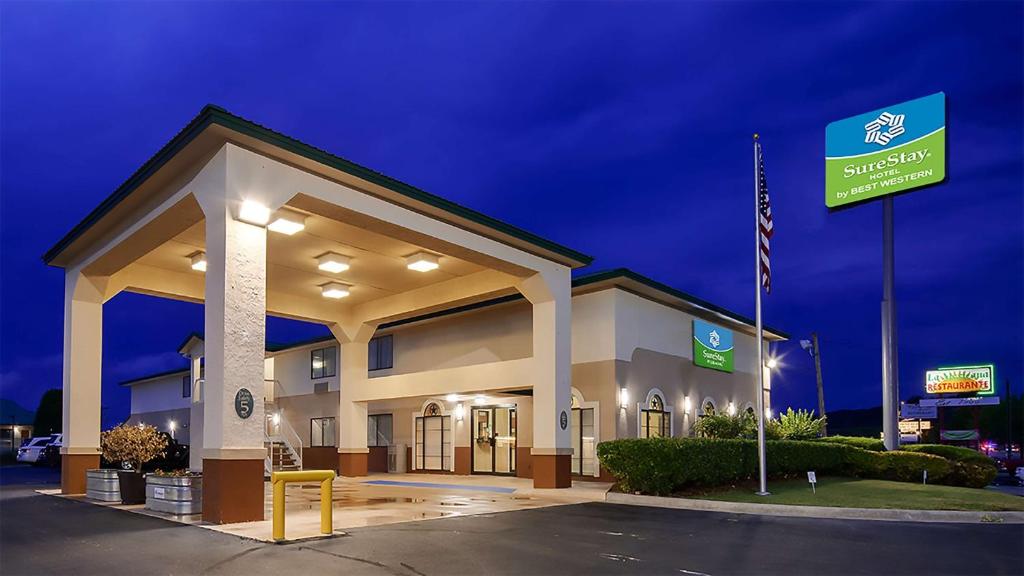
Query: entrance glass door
(494, 440)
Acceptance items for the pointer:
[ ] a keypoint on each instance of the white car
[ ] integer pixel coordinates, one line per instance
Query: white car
(31, 450)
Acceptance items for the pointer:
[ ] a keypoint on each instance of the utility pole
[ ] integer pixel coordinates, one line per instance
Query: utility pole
(821, 386)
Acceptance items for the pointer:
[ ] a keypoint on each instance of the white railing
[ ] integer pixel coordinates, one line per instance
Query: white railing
(291, 440)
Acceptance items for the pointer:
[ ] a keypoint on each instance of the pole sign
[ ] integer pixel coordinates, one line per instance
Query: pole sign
(885, 151)
(712, 346)
(979, 379)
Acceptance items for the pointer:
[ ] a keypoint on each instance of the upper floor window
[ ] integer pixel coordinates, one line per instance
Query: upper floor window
(186, 386)
(323, 362)
(381, 352)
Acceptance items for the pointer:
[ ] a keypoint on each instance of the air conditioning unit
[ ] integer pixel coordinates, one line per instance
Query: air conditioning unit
(396, 458)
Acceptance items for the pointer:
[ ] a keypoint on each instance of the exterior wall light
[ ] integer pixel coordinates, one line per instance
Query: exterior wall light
(772, 363)
(623, 397)
(276, 418)
(332, 262)
(198, 260)
(686, 405)
(254, 213)
(422, 262)
(732, 409)
(460, 412)
(334, 290)
(172, 426)
(768, 413)
(287, 222)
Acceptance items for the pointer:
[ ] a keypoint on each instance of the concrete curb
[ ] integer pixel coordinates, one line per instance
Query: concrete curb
(890, 515)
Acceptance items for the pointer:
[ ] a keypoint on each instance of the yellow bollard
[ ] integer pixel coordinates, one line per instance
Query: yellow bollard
(280, 479)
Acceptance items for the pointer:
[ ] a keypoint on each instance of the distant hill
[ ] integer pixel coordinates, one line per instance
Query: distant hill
(859, 422)
(12, 413)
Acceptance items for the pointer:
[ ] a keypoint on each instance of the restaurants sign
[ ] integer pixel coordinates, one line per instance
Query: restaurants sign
(960, 379)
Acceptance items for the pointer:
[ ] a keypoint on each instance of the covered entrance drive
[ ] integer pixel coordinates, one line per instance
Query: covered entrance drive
(249, 222)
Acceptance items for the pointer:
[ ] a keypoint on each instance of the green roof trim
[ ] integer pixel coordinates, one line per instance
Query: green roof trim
(597, 277)
(211, 114)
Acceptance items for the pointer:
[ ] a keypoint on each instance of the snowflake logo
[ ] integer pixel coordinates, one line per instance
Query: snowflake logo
(892, 123)
(714, 339)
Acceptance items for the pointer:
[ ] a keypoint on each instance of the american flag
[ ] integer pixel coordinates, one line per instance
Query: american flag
(765, 225)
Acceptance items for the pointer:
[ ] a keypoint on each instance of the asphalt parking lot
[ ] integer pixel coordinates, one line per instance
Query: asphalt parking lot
(49, 535)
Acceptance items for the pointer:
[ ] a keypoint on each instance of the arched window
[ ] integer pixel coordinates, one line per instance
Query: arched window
(750, 410)
(708, 407)
(655, 419)
(432, 409)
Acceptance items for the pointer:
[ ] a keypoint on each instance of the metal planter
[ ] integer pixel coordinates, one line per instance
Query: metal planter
(174, 494)
(102, 484)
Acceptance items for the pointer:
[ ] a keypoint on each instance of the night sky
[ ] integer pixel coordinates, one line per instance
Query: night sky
(620, 130)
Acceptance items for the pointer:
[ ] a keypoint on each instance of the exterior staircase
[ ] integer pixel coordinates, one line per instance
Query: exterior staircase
(281, 456)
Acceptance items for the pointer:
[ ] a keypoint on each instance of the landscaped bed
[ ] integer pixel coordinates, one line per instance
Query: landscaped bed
(861, 493)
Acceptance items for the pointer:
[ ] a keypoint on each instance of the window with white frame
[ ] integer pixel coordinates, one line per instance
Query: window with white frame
(655, 417)
(321, 432)
(323, 362)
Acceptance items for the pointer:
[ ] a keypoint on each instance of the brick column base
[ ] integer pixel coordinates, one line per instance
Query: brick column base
(353, 463)
(232, 490)
(72, 471)
(552, 470)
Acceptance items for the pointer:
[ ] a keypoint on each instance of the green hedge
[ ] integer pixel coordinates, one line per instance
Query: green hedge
(970, 468)
(873, 444)
(662, 466)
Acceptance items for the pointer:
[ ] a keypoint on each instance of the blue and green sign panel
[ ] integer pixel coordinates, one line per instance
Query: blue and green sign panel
(885, 151)
(712, 346)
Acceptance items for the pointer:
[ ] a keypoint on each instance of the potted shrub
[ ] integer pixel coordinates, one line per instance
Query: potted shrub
(175, 492)
(132, 446)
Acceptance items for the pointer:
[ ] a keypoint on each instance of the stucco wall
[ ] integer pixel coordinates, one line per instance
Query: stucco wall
(291, 371)
(159, 394)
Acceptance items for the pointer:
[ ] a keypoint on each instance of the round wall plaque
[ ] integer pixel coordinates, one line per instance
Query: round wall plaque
(563, 420)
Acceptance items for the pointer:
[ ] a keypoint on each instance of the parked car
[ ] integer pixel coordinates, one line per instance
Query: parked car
(50, 455)
(1020, 475)
(32, 449)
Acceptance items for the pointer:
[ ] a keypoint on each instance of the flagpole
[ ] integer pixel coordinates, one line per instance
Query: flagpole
(761, 467)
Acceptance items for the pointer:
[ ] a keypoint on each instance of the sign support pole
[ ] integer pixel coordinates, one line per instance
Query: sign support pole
(890, 372)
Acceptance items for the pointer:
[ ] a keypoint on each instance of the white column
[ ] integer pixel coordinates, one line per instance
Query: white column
(234, 341)
(83, 355)
(195, 418)
(353, 339)
(550, 294)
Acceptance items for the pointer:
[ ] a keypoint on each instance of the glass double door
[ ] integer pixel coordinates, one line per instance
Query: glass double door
(494, 439)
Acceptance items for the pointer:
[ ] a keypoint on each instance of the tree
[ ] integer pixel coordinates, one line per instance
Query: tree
(132, 445)
(49, 414)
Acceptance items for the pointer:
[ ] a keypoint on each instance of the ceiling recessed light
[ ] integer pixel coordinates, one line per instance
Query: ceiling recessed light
(198, 260)
(332, 262)
(334, 290)
(287, 222)
(254, 213)
(451, 397)
(422, 262)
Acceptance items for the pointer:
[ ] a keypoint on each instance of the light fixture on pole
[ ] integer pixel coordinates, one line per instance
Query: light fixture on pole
(333, 262)
(422, 262)
(334, 290)
(198, 260)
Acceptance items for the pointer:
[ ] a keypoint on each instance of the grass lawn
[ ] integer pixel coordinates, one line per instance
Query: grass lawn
(855, 493)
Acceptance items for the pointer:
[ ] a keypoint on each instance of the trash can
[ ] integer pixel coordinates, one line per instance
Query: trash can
(396, 458)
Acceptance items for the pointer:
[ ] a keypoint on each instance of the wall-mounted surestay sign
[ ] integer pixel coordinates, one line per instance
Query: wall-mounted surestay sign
(885, 151)
(712, 346)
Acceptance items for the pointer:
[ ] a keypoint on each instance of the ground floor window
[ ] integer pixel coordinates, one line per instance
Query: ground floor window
(378, 430)
(433, 439)
(321, 432)
(655, 420)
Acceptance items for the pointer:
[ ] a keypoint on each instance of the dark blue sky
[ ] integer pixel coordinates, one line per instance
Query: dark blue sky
(628, 123)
